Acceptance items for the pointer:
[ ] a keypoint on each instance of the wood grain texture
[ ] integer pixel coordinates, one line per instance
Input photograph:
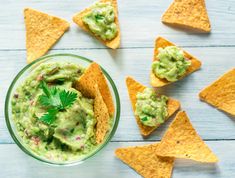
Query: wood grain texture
(209, 122)
(140, 23)
(105, 164)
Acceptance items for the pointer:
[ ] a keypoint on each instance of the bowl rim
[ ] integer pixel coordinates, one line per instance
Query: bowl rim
(89, 155)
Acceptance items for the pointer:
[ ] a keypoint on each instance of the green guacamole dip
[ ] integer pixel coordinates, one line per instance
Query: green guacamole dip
(72, 134)
(101, 21)
(151, 109)
(171, 64)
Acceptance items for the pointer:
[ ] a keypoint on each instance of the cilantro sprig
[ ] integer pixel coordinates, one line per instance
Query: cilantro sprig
(55, 100)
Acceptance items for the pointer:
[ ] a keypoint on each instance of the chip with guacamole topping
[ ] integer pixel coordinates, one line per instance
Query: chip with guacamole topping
(101, 21)
(150, 108)
(157, 81)
(171, 64)
(133, 88)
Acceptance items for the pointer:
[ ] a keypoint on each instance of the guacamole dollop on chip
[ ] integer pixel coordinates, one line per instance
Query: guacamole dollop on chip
(151, 109)
(113, 43)
(133, 88)
(171, 64)
(163, 43)
(101, 20)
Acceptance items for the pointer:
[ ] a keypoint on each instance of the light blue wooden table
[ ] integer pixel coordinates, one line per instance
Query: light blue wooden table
(140, 25)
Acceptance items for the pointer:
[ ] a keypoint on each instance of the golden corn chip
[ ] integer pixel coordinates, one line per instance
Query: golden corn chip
(42, 32)
(144, 160)
(86, 84)
(101, 115)
(114, 43)
(221, 93)
(133, 88)
(182, 141)
(162, 43)
(189, 14)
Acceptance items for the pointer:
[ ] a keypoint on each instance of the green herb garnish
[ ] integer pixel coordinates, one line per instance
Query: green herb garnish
(55, 100)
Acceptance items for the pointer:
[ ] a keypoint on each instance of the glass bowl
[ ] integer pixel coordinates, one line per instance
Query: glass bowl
(21, 76)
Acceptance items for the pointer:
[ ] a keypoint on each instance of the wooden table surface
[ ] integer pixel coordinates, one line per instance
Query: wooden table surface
(140, 25)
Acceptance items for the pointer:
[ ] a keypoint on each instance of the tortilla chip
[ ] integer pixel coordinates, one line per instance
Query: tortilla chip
(221, 93)
(189, 14)
(101, 115)
(133, 88)
(42, 32)
(162, 43)
(86, 84)
(182, 141)
(114, 43)
(144, 160)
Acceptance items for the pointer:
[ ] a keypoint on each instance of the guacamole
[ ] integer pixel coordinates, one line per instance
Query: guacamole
(101, 21)
(150, 108)
(72, 134)
(171, 63)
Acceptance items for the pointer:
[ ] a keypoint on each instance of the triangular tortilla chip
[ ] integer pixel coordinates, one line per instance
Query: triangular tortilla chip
(133, 88)
(86, 84)
(114, 43)
(144, 160)
(101, 115)
(162, 43)
(189, 14)
(182, 141)
(42, 32)
(221, 93)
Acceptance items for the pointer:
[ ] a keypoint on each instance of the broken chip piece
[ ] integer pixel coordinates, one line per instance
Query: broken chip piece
(189, 14)
(144, 160)
(133, 88)
(162, 43)
(106, 32)
(182, 141)
(42, 32)
(221, 93)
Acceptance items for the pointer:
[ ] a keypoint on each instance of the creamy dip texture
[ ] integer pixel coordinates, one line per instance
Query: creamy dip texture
(150, 108)
(101, 21)
(72, 134)
(171, 63)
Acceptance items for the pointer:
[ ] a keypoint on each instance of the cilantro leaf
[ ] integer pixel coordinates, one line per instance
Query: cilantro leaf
(144, 118)
(45, 88)
(99, 17)
(67, 98)
(49, 117)
(55, 100)
(51, 97)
